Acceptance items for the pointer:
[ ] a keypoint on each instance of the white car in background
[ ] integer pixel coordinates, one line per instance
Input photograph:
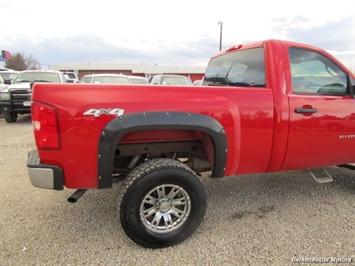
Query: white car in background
(138, 80)
(6, 77)
(86, 79)
(106, 79)
(170, 80)
(73, 77)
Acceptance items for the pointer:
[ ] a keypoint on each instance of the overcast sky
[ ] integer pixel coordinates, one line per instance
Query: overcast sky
(171, 33)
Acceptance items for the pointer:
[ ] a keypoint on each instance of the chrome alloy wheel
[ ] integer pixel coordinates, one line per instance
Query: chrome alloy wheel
(165, 208)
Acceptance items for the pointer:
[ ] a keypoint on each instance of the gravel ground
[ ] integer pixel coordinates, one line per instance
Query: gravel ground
(263, 219)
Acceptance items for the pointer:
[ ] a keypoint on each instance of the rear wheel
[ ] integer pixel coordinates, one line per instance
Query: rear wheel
(10, 117)
(162, 203)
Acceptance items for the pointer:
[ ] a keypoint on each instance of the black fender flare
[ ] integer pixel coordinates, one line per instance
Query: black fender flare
(120, 126)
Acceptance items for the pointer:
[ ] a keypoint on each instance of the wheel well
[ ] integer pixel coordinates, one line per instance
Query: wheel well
(194, 148)
(160, 127)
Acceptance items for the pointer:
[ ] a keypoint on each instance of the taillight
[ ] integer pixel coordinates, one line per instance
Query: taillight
(45, 126)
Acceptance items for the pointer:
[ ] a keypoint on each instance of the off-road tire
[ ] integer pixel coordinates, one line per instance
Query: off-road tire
(162, 203)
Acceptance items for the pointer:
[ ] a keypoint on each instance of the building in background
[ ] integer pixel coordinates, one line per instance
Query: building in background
(82, 69)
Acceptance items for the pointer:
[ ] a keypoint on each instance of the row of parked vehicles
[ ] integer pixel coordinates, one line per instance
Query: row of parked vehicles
(123, 79)
(16, 86)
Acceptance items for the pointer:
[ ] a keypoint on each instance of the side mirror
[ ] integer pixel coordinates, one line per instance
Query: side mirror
(8, 81)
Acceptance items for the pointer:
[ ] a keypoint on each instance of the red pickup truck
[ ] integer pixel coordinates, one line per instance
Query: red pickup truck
(263, 107)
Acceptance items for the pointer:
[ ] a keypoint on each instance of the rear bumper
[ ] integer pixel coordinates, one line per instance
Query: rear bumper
(44, 176)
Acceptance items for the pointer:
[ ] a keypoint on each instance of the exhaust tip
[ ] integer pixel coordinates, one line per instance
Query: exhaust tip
(76, 195)
(72, 200)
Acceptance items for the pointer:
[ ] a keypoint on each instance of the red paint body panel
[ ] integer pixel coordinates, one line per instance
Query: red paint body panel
(263, 133)
(318, 137)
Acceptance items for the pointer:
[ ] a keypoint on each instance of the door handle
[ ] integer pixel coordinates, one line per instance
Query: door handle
(306, 110)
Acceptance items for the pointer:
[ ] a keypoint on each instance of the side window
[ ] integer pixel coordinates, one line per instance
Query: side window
(313, 73)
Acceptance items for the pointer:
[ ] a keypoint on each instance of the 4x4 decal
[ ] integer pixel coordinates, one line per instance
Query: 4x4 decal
(102, 111)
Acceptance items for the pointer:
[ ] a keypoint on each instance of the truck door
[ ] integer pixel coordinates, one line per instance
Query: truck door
(322, 113)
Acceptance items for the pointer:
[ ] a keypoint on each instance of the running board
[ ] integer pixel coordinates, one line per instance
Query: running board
(320, 175)
(348, 166)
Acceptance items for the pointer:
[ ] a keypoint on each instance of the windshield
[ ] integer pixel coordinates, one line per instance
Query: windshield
(243, 68)
(86, 79)
(37, 77)
(139, 80)
(111, 80)
(174, 80)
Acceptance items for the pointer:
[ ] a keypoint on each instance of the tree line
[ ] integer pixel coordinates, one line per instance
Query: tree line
(19, 62)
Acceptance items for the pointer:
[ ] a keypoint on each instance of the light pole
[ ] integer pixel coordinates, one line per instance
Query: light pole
(220, 23)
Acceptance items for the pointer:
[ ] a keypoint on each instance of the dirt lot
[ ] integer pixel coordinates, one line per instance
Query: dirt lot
(264, 219)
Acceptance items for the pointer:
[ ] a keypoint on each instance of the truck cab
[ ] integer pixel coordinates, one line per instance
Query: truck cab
(313, 98)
